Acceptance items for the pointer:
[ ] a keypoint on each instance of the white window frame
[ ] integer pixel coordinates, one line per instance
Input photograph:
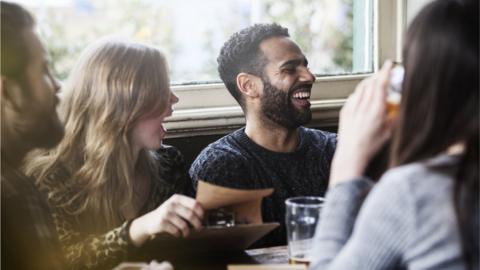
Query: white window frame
(210, 109)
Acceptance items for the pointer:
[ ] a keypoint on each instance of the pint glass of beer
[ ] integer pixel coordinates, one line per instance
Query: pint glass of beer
(301, 221)
(394, 95)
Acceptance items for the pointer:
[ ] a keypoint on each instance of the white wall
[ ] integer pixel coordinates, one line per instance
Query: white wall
(413, 7)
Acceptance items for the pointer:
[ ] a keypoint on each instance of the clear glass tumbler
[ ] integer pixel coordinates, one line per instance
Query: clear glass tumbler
(301, 221)
(395, 91)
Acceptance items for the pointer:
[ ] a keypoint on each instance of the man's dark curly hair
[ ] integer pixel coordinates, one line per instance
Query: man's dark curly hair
(241, 53)
(14, 50)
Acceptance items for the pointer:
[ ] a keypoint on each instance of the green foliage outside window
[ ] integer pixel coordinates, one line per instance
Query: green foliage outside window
(192, 32)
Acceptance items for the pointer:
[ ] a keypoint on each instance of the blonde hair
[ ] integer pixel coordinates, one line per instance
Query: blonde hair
(114, 84)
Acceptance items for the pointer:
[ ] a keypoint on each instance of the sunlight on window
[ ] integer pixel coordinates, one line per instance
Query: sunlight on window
(335, 35)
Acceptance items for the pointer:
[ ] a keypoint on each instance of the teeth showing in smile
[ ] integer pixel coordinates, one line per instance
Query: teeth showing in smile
(302, 95)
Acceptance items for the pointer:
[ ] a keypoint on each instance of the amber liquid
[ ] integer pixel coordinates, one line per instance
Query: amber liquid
(299, 261)
(393, 105)
(392, 110)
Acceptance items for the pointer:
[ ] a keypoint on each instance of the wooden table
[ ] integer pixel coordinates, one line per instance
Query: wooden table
(219, 261)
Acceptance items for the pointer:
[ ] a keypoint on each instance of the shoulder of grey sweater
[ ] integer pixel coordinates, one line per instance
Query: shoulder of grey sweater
(418, 180)
(389, 212)
(407, 196)
(396, 187)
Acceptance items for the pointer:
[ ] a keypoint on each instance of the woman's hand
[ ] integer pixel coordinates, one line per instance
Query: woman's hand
(174, 216)
(153, 265)
(363, 127)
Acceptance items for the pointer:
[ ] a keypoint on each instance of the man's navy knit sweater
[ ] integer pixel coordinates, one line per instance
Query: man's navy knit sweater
(238, 162)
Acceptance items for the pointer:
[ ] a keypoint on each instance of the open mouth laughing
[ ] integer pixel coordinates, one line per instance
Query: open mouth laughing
(301, 97)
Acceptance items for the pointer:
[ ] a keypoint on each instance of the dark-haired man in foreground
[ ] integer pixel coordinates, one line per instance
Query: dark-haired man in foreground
(29, 120)
(268, 75)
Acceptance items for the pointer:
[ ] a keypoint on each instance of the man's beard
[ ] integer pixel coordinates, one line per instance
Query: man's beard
(277, 106)
(41, 126)
(44, 130)
(51, 132)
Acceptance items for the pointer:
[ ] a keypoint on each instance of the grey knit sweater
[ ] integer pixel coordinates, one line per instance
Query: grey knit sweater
(406, 222)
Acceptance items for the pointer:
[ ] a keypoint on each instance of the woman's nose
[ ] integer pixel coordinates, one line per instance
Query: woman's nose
(173, 98)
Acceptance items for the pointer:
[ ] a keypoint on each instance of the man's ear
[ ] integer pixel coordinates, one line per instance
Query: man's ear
(13, 95)
(250, 85)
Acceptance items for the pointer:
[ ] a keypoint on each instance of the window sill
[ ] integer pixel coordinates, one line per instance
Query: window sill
(209, 109)
(208, 121)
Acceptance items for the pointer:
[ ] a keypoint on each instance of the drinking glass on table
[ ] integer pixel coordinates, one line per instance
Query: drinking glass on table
(301, 220)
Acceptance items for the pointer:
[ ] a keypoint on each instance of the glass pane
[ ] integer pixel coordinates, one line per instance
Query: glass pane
(335, 35)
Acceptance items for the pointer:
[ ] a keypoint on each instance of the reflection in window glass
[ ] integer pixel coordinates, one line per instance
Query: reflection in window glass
(335, 35)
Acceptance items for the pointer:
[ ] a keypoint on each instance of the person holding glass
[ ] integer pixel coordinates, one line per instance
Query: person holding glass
(108, 186)
(424, 211)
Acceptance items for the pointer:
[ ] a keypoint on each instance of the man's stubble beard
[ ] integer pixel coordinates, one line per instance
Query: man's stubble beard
(41, 126)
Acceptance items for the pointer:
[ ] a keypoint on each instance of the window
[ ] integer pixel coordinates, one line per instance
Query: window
(338, 37)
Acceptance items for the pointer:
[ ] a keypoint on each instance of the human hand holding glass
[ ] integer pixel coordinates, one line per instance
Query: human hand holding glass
(176, 216)
(363, 128)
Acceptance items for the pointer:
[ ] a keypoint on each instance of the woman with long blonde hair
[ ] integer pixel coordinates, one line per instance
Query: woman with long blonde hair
(107, 185)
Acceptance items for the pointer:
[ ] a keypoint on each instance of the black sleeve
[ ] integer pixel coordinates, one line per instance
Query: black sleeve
(173, 170)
